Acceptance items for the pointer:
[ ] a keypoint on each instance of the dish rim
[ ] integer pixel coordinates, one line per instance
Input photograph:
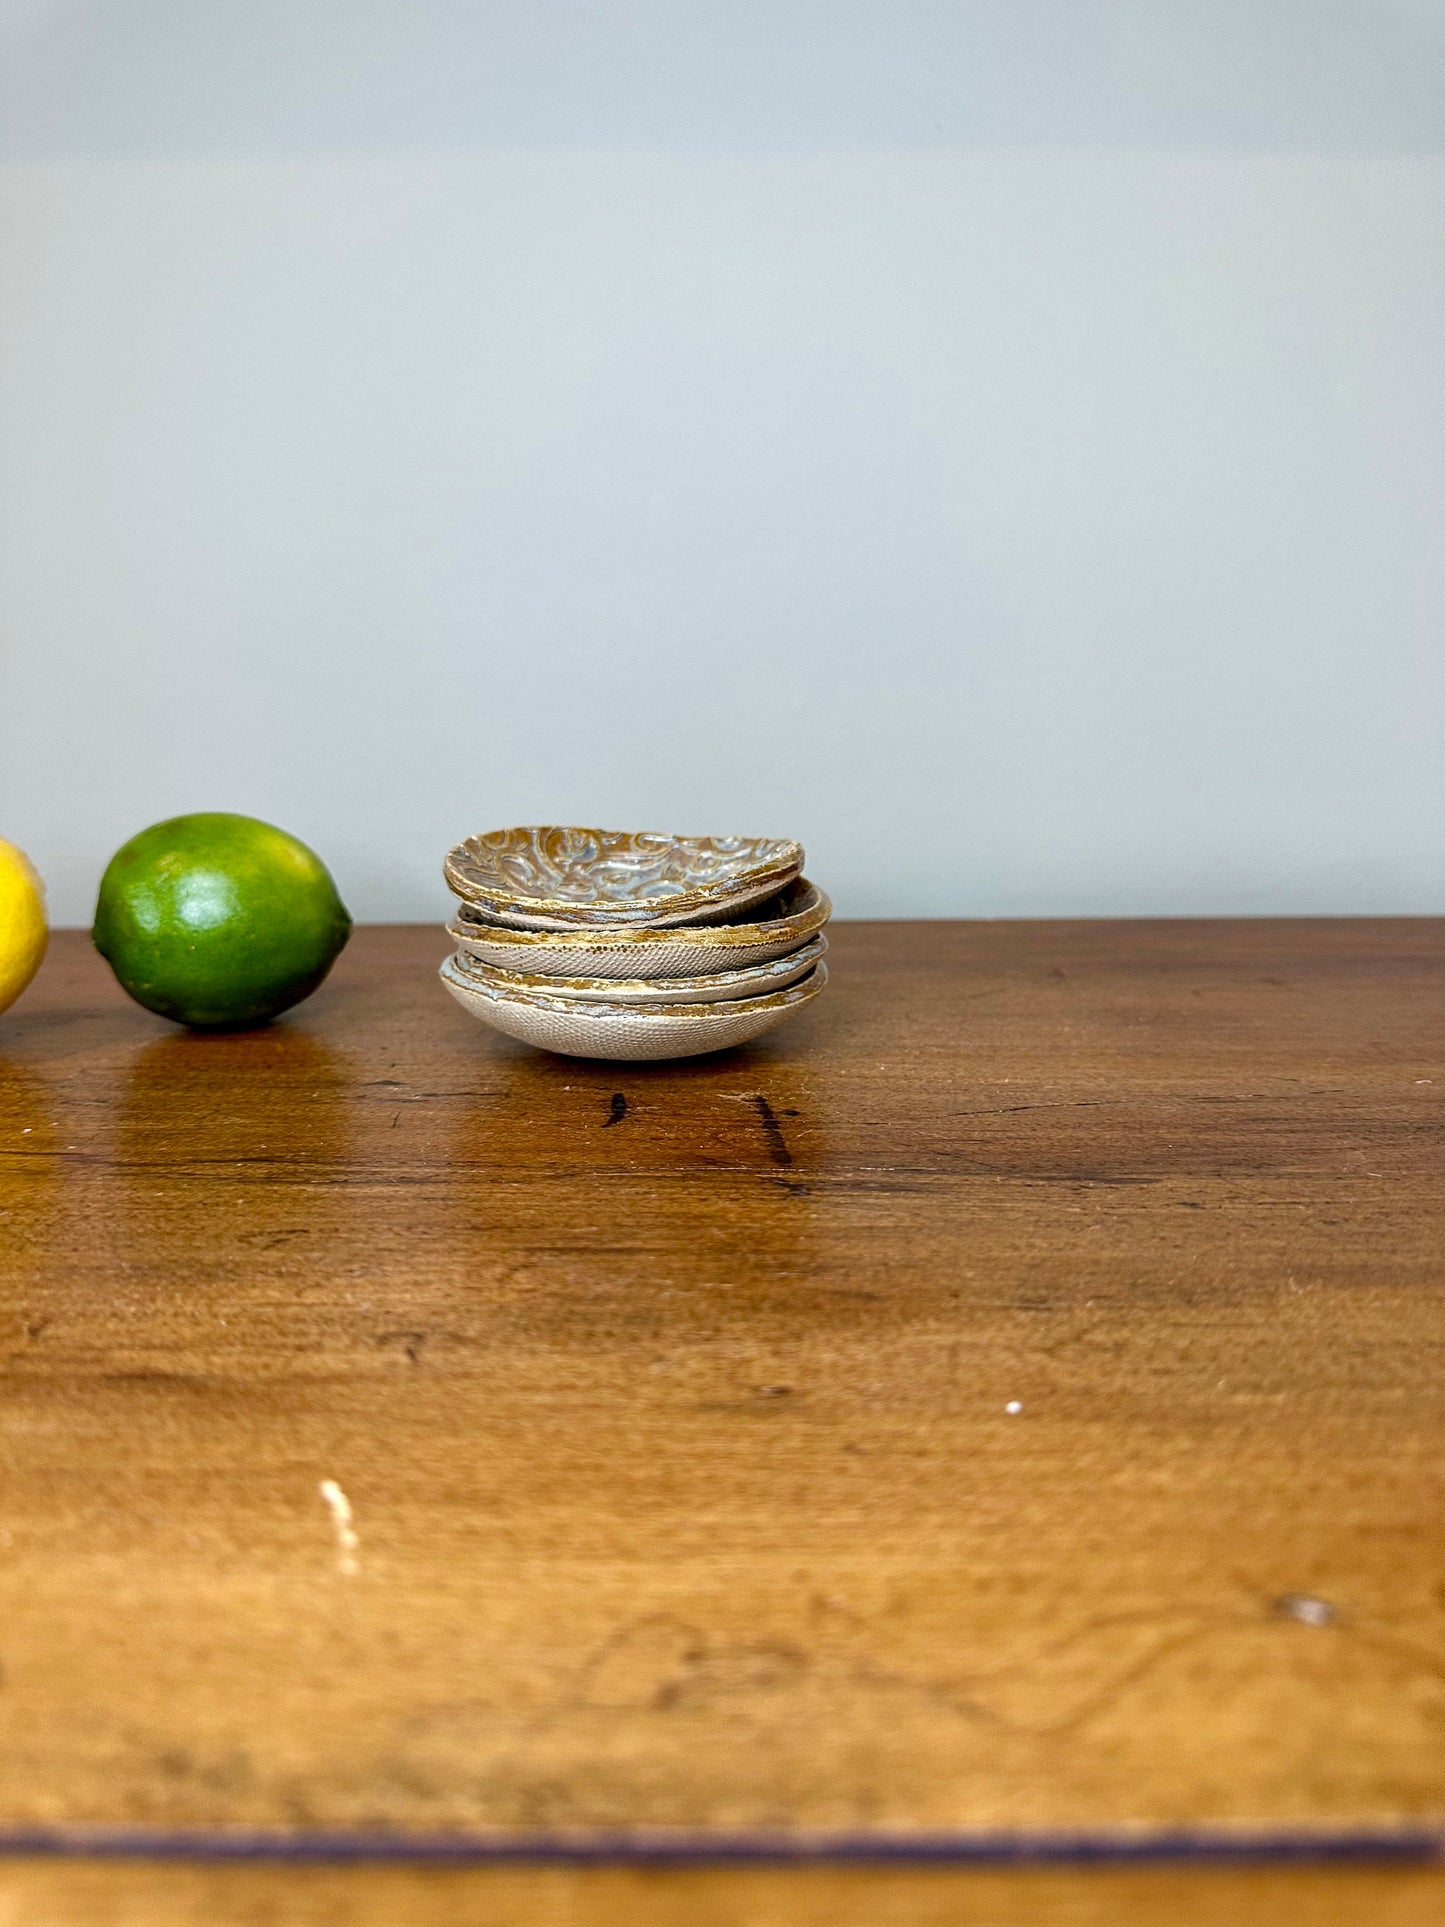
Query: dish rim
(809, 916)
(535, 982)
(794, 994)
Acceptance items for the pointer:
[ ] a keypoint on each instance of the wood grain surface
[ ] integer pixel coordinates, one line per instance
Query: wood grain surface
(672, 1403)
(91, 1893)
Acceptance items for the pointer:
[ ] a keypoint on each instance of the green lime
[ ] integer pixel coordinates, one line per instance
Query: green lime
(217, 920)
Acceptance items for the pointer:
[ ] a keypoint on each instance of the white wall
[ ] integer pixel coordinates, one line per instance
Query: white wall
(998, 443)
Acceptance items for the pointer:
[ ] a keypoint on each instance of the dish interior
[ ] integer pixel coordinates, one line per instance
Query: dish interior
(551, 863)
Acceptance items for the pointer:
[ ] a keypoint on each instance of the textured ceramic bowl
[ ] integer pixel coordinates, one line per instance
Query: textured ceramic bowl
(628, 1030)
(545, 876)
(758, 980)
(774, 928)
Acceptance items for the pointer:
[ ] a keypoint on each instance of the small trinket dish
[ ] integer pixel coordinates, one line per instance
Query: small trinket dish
(631, 1031)
(561, 877)
(605, 943)
(756, 980)
(767, 930)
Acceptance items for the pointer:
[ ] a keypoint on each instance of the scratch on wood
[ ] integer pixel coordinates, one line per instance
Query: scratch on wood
(1062, 1104)
(348, 1545)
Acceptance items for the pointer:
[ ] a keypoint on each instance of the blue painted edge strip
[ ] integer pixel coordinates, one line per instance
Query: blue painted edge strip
(1415, 1845)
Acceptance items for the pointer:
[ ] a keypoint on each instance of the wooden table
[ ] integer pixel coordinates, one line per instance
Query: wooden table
(1002, 1411)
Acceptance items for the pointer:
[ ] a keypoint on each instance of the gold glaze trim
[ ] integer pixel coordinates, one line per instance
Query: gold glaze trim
(614, 989)
(803, 909)
(642, 1013)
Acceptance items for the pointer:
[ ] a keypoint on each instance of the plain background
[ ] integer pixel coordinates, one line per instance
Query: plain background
(998, 441)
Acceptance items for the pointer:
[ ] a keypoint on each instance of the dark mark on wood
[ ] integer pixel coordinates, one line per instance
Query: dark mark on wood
(773, 1131)
(268, 1241)
(411, 1343)
(617, 1109)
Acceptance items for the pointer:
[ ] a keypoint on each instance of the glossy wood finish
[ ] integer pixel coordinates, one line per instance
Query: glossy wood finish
(90, 1893)
(672, 1403)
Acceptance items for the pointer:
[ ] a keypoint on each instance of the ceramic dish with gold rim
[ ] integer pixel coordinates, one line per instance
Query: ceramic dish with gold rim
(719, 987)
(772, 929)
(632, 1031)
(548, 876)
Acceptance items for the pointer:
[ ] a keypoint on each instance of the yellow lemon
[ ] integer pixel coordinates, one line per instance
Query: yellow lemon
(23, 929)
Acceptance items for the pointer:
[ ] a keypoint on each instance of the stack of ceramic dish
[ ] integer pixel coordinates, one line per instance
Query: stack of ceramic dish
(607, 943)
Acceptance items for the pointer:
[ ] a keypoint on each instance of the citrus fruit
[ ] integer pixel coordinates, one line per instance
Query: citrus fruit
(218, 921)
(23, 930)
